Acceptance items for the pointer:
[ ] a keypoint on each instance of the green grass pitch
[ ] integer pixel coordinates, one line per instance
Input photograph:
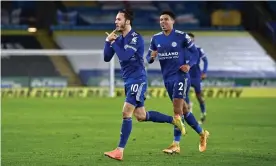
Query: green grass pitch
(76, 132)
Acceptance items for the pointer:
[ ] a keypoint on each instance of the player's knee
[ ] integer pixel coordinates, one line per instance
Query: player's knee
(127, 114)
(186, 108)
(140, 116)
(128, 110)
(178, 110)
(178, 106)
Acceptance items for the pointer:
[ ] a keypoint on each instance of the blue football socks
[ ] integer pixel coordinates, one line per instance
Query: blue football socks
(125, 132)
(190, 119)
(158, 117)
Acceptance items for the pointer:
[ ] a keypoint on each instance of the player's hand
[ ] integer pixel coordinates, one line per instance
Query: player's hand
(203, 76)
(112, 36)
(185, 68)
(153, 54)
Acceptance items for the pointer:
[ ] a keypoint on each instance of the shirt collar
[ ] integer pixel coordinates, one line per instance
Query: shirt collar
(129, 33)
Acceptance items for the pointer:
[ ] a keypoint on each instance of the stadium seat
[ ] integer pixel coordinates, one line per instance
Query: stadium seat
(245, 56)
(226, 18)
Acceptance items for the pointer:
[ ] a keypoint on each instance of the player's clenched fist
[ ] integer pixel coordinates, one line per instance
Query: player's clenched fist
(185, 68)
(112, 36)
(153, 54)
(203, 76)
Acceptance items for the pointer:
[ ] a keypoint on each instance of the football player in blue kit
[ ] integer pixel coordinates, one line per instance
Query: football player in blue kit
(197, 75)
(170, 46)
(129, 47)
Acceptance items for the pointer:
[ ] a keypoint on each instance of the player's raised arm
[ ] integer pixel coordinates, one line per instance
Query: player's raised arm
(108, 50)
(129, 49)
(152, 53)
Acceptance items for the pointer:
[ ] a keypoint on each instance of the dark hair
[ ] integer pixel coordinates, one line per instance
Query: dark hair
(191, 35)
(171, 14)
(128, 15)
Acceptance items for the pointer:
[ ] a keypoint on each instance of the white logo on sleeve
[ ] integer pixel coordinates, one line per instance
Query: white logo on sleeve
(158, 45)
(134, 34)
(134, 40)
(202, 51)
(188, 38)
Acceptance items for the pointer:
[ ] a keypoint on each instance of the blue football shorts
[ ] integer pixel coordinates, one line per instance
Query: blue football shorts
(135, 93)
(178, 88)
